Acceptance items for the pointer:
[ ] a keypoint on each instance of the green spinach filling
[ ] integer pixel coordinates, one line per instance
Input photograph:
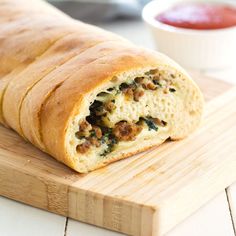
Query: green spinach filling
(93, 131)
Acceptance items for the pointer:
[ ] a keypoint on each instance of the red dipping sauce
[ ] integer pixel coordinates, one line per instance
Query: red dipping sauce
(199, 16)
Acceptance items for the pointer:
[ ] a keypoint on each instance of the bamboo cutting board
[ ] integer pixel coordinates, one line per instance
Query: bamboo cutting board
(147, 194)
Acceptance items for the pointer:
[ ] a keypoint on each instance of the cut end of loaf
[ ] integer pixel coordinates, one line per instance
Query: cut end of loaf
(133, 112)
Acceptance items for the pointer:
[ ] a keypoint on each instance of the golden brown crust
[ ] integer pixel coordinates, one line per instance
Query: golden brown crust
(13, 49)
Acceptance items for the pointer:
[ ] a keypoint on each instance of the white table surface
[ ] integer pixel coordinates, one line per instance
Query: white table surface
(217, 218)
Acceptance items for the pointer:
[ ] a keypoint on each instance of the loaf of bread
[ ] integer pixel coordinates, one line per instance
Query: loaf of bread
(84, 95)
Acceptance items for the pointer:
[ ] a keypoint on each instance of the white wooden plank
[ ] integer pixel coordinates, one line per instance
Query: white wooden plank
(232, 202)
(75, 228)
(212, 219)
(22, 220)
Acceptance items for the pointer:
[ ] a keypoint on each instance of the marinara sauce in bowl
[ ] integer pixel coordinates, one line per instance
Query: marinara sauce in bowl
(197, 34)
(199, 16)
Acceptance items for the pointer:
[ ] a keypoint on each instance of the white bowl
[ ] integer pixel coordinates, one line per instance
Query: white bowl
(198, 49)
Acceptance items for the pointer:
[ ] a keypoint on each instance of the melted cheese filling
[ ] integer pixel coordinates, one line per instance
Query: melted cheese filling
(153, 103)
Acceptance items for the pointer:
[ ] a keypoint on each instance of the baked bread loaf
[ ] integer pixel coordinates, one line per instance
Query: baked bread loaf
(86, 96)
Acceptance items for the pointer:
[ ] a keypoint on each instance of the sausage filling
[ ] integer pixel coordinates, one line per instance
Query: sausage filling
(104, 127)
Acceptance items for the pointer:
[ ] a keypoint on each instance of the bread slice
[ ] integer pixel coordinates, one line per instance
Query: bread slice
(96, 117)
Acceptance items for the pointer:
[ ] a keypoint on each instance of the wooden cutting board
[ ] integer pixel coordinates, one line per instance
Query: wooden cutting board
(147, 194)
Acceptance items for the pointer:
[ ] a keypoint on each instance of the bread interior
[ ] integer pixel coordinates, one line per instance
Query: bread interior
(136, 110)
